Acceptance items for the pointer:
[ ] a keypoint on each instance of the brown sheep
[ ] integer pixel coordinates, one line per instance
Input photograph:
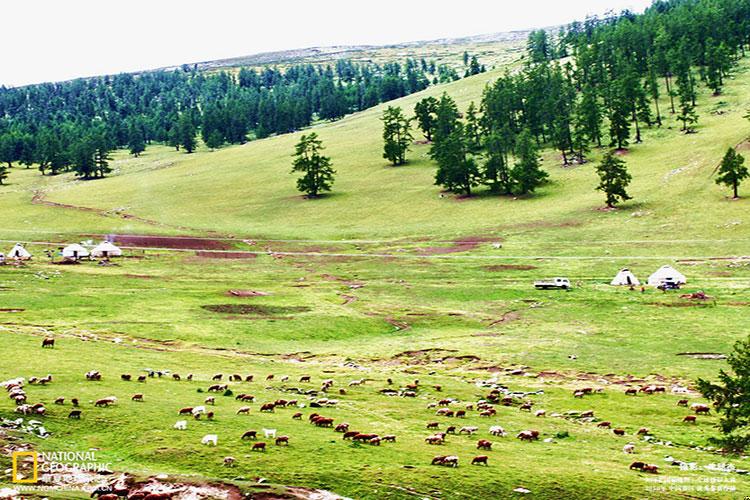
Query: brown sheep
(479, 460)
(250, 435)
(483, 444)
(690, 419)
(137, 397)
(282, 440)
(260, 446)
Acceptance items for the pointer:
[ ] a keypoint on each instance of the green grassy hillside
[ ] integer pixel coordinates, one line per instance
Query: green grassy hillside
(386, 279)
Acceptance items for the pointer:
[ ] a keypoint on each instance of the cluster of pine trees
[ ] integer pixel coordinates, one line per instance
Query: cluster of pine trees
(597, 83)
(73, 125)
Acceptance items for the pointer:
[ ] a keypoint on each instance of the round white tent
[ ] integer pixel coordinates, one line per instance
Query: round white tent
(19, 253)
(106, 249)
(74, 251)
(666, 274)
(626, 278)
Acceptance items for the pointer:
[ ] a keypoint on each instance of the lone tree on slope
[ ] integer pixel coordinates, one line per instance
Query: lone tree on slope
(396, 135)
(316, 168)
(613, 179)
(732, 171)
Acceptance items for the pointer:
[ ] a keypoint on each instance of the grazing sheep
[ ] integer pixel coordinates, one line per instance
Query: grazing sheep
(391, 438)
(210, 439)
(483, 444)
(260, 446)
(137, 397)
(690, 419)
(229, 461)
(244, 410)
(618, 432)
(304, 378)
(76, 414)
(269, 433)
(433, 425)
(450, 461)
(682, 402)
(699, 408)
(48, 342)
(180, 425)
(468, 430)
(540, 413)
(282, 440)
(60, 401)
(250, 435)
(478, 460)
(496, 430)
(604, 425)
(628, 448)
(210, 400)
(126, 377)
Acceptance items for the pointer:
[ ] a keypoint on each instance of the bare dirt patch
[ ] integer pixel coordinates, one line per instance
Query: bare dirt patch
(462, 245)
(226, 255)
(498, 268)
(176, 242)
(11, 310)
(255, 310)
(507, 317)
(703, 355)
(245, 293)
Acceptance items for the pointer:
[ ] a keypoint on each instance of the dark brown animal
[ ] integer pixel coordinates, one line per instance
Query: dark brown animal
(682, 402)
(137, 397)
(282, 440)
(618, 432)
(690, 419)
(297, 416)
(483, 444)
(141, 378)
(60, 401)
(631, 392)
(48, 342)
(637, 466)
(480, 460)
(185, 411)
(350, 434)
(74, 401)
(217, 376)
(76, 414)
(126, 377)
(433, 425)
(267, 407)
(250, 435)
(176, 377)
(604, 425)
(304, 378)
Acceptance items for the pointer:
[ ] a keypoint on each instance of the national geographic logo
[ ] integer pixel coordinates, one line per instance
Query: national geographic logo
(25, 467)
(55, 468)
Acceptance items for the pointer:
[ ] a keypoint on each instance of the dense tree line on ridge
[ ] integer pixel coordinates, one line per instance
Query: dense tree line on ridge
(73, 125)
(598, 83)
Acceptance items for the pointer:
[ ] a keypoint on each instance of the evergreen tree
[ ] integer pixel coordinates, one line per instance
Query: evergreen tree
(527, 174)
(613, 179)
(497, 171)
(318, 174)
(457, 170)
(732, 171)
(136, 140)
(473, 129)
(215, 140)
(425, 111)
(731, 397)
(396, 135)
(186, 133)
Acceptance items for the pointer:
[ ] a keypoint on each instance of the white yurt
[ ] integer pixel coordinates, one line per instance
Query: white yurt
(74, 251)
(626, 278)
(19, 253)
(666, 274)
(106, 249)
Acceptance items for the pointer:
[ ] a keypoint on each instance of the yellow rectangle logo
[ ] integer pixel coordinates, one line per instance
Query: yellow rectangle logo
(35, 474)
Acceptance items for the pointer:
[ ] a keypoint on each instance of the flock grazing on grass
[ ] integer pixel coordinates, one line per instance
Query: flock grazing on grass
(446, 408)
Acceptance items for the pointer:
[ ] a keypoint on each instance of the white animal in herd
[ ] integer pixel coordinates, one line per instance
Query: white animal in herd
(180, 425)
(496, 430)
(628, 448)
(269, 433)
(199, 410)
(210, 439)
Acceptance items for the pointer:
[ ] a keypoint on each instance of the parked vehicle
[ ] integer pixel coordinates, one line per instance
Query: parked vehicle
(554, 283)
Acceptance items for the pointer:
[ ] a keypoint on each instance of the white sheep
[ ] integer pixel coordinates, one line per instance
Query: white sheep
(269, 433)
(496, 430)
(180, 425)
(210, 439)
